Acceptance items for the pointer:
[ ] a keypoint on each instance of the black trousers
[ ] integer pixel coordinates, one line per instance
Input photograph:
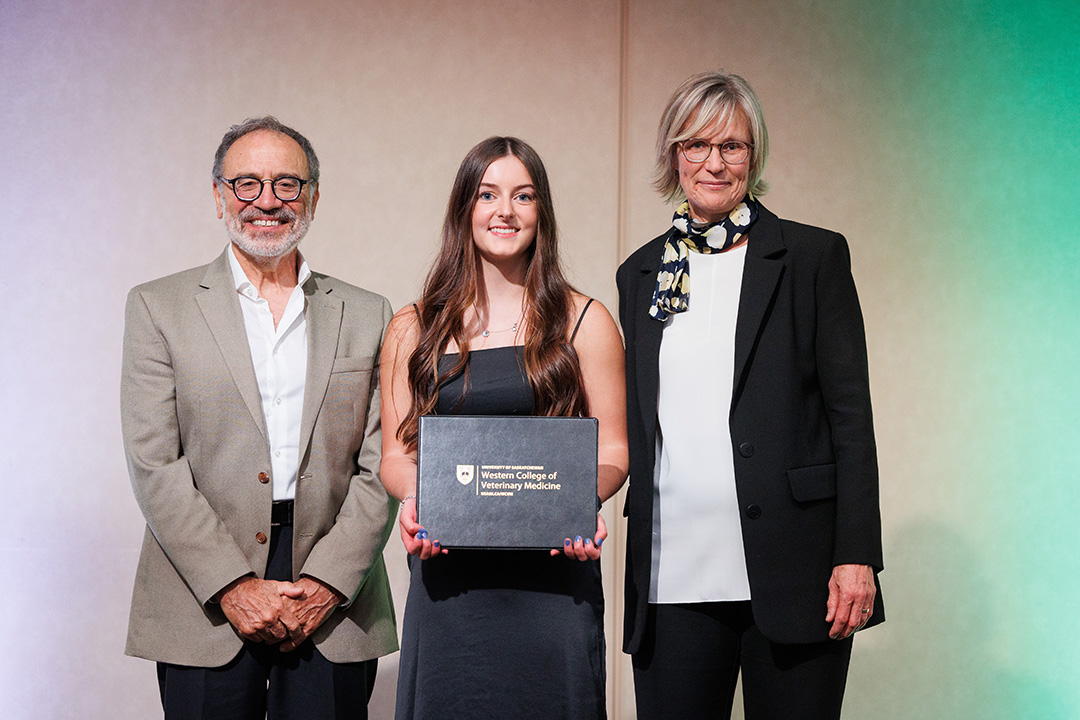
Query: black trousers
(692, 654)
(263, 682)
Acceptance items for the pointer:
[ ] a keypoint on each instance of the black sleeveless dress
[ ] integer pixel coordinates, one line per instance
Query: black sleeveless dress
(500, 633)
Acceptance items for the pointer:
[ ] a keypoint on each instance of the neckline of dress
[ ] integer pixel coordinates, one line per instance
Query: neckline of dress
(501, 347)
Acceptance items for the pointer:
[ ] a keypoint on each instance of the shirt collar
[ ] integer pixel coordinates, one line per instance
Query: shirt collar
(244, 286)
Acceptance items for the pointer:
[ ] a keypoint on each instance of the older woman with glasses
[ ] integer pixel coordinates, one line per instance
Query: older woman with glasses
(754, 529)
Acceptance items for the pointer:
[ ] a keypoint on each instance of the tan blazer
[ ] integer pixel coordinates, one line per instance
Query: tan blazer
(199, 460)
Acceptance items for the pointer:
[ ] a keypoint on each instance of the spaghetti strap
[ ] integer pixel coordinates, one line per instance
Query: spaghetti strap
(579, 319)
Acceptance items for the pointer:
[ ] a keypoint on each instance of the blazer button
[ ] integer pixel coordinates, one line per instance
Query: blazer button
(746, 450)
(753, 512)
(264, 478)
(260, 537)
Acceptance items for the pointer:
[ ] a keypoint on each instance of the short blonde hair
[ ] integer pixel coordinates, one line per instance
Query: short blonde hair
(700, 102)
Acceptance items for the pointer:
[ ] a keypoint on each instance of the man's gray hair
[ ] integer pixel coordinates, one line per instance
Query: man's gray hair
(267, 122)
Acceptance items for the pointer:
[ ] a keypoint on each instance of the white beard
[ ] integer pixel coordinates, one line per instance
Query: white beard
(267, 247)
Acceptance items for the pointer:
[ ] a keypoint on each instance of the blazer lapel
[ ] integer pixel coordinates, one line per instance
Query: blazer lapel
(761, 277)
(323, 320)
(649, 332)
(221, 310)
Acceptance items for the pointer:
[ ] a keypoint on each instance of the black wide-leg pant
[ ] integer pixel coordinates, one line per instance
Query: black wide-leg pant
(691, 656)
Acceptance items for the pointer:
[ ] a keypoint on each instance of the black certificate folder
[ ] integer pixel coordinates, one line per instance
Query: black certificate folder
(506, 482)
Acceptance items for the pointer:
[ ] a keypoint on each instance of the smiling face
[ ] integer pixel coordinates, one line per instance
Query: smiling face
(504, 217)
(714, 187)
(265, 227)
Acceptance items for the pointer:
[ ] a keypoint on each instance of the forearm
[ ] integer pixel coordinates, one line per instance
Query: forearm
(343, 558)
(399, 476)
(609, 479)
(845, 386)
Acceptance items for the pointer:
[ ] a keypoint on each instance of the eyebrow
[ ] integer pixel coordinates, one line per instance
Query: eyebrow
(275, 177)
(519, 187)
(726, 139)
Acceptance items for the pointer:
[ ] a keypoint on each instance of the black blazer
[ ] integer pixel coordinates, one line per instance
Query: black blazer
(801, 428)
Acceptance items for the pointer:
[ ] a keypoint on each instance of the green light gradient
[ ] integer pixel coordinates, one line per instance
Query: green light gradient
(980, 102)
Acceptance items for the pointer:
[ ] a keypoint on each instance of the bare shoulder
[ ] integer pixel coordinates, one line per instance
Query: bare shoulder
(404, 327)
(589, 310)
(597, 328)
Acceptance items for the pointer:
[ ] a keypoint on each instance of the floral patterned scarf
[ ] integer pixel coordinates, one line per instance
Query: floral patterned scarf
(672, 293)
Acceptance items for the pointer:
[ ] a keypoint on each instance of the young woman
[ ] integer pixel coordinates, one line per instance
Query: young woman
(499, 331)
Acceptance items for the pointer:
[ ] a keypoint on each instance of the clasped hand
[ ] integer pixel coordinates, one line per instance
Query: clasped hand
(272, 611)
(417, 542)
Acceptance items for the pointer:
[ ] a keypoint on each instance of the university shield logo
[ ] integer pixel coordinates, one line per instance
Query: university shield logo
(464, 474)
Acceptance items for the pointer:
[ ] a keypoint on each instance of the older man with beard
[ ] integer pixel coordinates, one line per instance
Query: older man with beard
(250, 417)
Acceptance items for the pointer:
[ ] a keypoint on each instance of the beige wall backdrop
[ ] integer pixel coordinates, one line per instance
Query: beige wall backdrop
(887, 122)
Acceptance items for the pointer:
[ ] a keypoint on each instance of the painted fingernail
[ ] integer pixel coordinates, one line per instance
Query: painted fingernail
(588, 541)
(435, 544)
(599, 542)
(577, 539)
(567, 542)
(422, 534)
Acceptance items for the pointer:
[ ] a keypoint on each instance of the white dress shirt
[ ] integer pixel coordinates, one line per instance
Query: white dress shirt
(698, 551)
(280, 358)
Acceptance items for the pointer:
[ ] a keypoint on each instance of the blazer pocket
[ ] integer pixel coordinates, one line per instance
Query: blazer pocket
(814, 482)
(353, 364)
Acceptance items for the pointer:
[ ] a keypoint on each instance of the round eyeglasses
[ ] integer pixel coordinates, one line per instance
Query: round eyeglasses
(248, 189)
(733, 152)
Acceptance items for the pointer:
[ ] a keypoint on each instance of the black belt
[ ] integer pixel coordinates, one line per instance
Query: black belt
(281, 512)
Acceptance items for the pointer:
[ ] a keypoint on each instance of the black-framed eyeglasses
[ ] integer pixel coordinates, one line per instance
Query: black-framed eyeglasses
(248, 189)
(733, 152)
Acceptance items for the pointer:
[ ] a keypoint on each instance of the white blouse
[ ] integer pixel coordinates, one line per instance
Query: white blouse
(698, 551)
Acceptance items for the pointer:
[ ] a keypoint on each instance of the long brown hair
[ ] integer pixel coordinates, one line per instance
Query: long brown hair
(452, 286)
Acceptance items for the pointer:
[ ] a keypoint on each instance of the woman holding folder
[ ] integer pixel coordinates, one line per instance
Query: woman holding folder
(499, 331)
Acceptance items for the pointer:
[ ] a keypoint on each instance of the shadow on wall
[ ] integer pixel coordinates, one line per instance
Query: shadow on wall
(937, 658)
